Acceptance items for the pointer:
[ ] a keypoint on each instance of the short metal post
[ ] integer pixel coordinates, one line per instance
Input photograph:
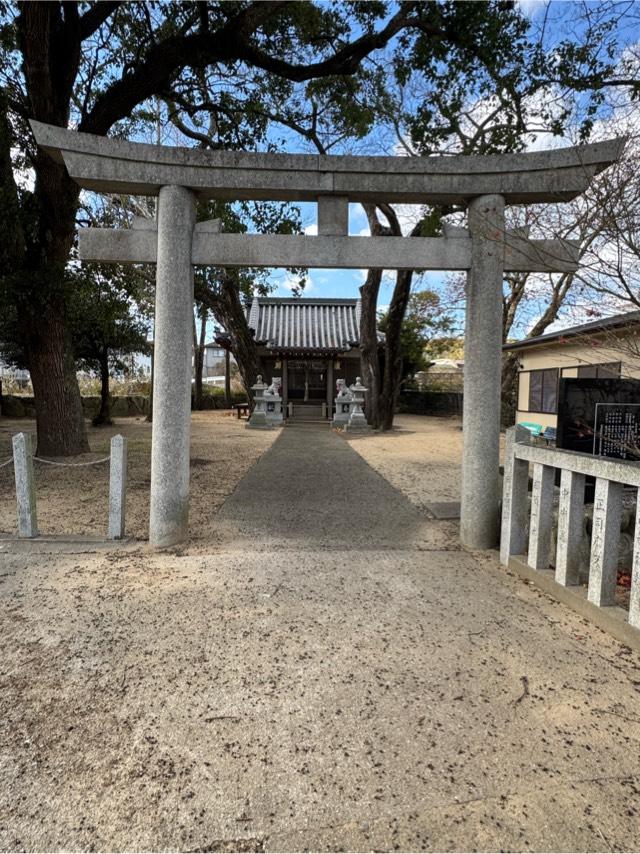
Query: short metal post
(25, 485)
(117, 487)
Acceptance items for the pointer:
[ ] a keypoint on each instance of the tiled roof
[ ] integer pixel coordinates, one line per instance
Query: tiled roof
(626, 319)
(306, 324)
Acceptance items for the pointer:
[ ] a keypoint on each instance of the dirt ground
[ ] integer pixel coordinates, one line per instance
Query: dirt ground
(421, 458)
(321, 668)
(75, 500)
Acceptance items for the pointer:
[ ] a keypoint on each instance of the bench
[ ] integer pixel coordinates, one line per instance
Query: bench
(534, 429)
(242, 409)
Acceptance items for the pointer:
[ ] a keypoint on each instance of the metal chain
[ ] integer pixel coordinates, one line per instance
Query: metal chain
(6, 463)
(71, 465)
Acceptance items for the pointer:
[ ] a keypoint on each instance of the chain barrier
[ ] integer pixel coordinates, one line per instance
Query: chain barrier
(6, 462)
(72, 465)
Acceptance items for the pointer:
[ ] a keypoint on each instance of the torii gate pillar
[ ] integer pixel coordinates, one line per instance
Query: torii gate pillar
(169, 517)
(479, 512)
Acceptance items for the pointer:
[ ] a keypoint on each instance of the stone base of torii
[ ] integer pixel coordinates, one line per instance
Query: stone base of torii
(175, 243)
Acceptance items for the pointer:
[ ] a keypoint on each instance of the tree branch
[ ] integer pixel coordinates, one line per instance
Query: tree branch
(230, 43)
(95, 17)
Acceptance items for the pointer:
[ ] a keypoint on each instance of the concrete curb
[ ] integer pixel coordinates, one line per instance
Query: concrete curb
(611, 619)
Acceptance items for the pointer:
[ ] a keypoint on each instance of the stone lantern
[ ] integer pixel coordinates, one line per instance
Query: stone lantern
(357, 419)
(258, 419)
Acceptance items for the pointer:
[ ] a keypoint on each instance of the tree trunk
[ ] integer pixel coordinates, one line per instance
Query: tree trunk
(227, 378)
(59, 414)
(104, 416)
(229, 313)
(392, 376)
(51, 53)
(198, 358)
(370, 361)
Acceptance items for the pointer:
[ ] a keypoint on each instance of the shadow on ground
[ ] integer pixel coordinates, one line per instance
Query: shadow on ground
(311, 490)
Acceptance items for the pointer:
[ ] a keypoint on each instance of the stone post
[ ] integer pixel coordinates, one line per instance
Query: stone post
(169, 518)
(25, 485)
(479, 512)
(570, 527)
(605, 538)
(634, 593)
(514, 496)
(117, 487)
(541, 519)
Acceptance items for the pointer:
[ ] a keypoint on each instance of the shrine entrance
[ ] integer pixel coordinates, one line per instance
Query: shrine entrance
(307, 380)
(175, 242)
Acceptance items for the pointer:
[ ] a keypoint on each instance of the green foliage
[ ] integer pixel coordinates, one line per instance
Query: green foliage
(239, 218)
(104, 320)
(424, 325)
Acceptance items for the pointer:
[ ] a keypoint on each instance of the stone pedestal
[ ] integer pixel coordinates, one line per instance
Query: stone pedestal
(343, 411)
(258, 419)
(343, 403)
(357, 419)
(273, 405)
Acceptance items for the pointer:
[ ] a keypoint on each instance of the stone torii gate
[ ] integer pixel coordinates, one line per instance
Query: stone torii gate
(175, 242)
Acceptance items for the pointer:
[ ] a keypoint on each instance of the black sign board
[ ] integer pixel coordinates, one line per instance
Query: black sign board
(617, 430)
(600, 416)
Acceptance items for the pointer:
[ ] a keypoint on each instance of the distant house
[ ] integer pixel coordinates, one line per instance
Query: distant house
(309, 344)
(214, 356)
(608, 347)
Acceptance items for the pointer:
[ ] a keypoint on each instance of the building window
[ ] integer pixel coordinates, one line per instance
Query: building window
(607, 369)
(543, 390)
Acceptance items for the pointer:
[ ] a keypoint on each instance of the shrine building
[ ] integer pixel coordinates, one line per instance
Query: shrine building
(310, 344)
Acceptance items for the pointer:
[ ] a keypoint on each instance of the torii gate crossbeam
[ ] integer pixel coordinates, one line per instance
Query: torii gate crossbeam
(178, 176)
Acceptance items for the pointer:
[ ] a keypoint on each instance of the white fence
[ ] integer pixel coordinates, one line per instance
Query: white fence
(610, 476)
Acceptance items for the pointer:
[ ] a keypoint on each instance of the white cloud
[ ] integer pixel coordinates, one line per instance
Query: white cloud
(311, 229)
(529, 7)
(291, 282)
